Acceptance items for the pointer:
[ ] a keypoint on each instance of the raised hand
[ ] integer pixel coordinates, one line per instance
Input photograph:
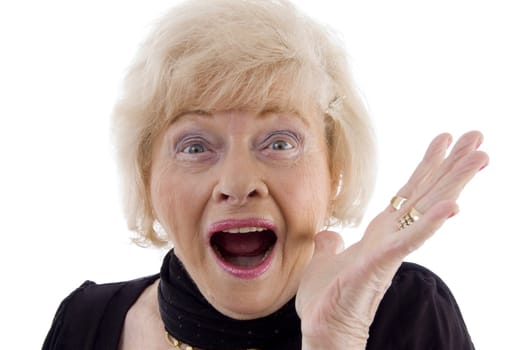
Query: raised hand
(341, 289)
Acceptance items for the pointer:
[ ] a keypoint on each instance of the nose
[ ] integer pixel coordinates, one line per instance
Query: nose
(240, 180)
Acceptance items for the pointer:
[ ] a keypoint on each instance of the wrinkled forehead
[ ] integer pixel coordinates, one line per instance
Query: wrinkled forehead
(277, 109)
(262, 113)
(291, 101)
(259, 111)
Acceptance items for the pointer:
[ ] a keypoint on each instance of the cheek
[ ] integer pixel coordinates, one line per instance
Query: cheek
(305, 197)
(170, 195)
(162, 198)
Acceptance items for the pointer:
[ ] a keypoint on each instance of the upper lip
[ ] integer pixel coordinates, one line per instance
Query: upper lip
(227, 224)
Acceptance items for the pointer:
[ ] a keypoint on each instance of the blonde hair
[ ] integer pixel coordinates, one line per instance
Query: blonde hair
(218, 55)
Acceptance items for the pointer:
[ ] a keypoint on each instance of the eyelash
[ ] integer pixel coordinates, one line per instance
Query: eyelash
(292, 140)
(186, 142)
(289, 137)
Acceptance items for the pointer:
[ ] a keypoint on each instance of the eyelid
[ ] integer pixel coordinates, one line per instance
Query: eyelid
(183, 142)
(277, 134)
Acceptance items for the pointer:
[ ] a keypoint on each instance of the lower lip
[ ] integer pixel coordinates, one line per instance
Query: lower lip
(246, 272)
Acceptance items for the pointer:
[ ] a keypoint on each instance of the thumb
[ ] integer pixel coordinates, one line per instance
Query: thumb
(327, 243)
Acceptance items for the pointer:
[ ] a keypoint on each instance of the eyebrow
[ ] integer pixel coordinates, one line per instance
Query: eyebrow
(196, 112)
(277, 110)
(262, 114)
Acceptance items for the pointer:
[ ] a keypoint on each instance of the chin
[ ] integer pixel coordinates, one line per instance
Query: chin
(249, 298)
(247, 302)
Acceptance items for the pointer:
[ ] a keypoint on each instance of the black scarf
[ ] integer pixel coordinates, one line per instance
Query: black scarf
(189, 318)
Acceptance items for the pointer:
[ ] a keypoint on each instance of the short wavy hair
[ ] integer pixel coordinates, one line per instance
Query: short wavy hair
(219, 55)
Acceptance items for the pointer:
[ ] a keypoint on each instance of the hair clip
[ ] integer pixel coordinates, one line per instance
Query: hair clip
(334, 103)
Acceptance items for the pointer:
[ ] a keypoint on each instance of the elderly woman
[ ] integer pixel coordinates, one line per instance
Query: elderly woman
(241, 140)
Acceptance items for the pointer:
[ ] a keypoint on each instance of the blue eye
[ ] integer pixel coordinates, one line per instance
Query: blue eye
(280, 145)
(194, 148)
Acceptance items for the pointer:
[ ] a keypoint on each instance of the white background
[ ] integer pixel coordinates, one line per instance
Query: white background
(424, 67)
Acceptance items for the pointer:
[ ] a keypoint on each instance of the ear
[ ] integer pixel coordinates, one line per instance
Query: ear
(333, 199)
(329, 214)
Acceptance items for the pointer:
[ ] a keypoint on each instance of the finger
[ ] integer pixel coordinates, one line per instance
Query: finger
(327, 243)
(434, 167)
(467, 143)
(411, 238)
(451, 184)
(431, 161)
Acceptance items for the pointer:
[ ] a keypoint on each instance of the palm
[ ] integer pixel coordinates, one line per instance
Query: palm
(341, 289)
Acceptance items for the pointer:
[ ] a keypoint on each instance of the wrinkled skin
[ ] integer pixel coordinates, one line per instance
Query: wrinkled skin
(342, 288)
(236, 165)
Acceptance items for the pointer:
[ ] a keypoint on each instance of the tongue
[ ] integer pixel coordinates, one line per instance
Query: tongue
(242, 244)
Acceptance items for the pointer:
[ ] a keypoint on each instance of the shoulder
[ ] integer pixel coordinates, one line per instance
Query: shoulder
(418, 312)
(91, 311)
(417, 281)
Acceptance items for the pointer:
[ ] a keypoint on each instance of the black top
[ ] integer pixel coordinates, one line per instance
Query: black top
(418, 312)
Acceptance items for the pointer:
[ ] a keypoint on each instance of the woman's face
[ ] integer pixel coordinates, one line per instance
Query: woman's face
(241, 196)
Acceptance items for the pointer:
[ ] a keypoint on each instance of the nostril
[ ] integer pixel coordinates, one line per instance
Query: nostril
(237, 193)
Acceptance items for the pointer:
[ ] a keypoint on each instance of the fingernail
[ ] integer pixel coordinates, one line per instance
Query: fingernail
(452, 214)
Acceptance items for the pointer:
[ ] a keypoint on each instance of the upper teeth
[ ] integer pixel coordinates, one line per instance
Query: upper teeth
(245, 229)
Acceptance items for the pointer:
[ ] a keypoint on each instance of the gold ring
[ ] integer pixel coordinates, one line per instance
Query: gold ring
(397, 202)
(408, 218)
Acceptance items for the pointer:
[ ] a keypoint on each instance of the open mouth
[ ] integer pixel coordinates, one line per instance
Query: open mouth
(243, 248)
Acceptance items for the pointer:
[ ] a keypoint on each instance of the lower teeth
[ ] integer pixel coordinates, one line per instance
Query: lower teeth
(243, 261)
